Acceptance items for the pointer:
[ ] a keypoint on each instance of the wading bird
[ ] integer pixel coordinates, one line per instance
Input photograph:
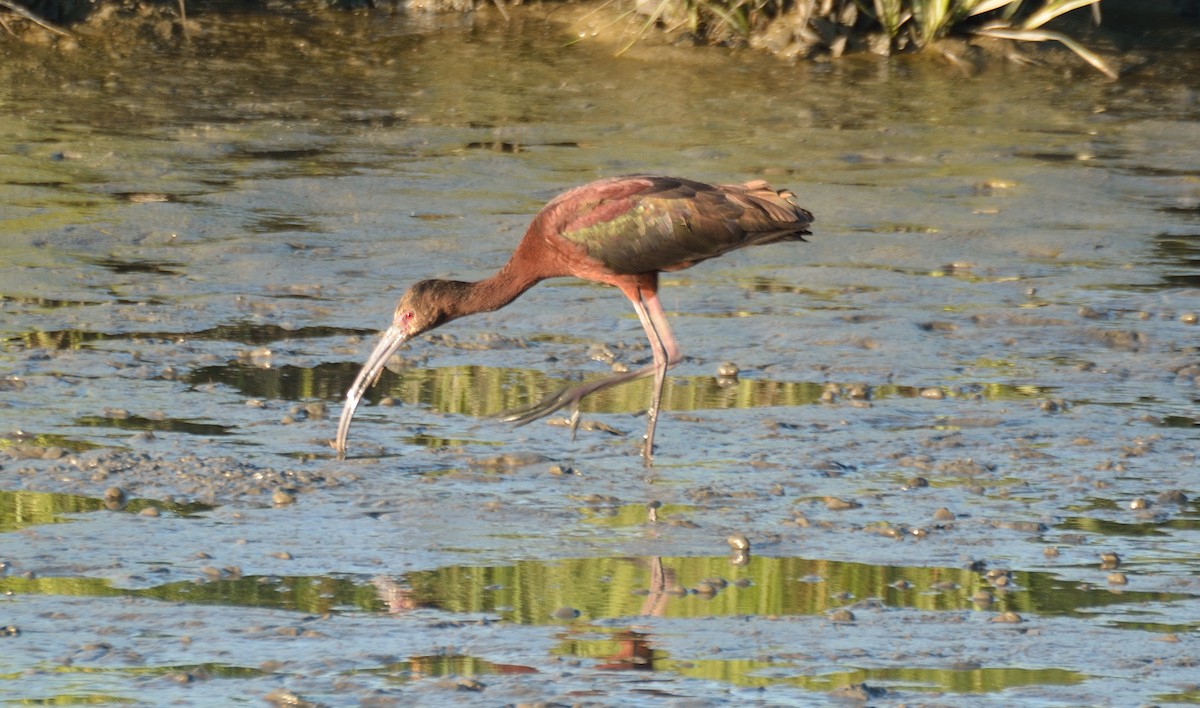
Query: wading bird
(623, 232)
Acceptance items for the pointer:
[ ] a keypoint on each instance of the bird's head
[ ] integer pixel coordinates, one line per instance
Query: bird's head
(428, 304)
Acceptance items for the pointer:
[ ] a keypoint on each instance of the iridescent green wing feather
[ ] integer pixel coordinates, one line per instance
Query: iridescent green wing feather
(641, 224)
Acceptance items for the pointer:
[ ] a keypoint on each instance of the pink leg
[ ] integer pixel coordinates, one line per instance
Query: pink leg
(644, 296)
(666, 355)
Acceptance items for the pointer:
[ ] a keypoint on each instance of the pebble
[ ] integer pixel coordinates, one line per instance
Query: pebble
(932, 393)
(282, 498)
(284, 697)
(728, 369)
(841, 616)
(1117, 579)
(566, 613)
(727, 381)
(738, 542)
(1007, 618)
(115, 498)
(601, 353)
(860, 693)
(835, 504)
(943, 514)
(1052, 406)
(467, 684)
(1109, 560)
(1173, 496)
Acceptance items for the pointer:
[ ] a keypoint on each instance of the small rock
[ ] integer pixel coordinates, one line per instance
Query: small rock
(115, 498)
(858, 692)
(566, 613)
(841, 616)
(1173, 496)
(467, 684)
(284, 697)
(835, 504)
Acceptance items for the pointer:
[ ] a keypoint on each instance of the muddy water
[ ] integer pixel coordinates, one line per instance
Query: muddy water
(975, 384)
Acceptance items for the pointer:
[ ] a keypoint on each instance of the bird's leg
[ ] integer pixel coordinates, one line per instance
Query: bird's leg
(666, 355)
(574, 421)
(644, 297)
(570, 396)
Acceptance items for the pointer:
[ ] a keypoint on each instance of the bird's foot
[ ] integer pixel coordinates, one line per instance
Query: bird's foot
(648, 453)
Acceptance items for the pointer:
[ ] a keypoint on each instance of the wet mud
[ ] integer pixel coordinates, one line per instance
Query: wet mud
(944, 453)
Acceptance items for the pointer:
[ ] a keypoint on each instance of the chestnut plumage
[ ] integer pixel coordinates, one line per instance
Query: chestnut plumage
(621, 231)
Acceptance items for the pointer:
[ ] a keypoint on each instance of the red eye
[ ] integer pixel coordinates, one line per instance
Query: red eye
(407, 317)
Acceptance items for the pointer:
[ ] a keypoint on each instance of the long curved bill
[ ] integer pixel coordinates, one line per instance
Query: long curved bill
(393, 338)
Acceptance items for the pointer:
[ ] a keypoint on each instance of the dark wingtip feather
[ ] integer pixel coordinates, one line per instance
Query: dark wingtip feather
(779, 205)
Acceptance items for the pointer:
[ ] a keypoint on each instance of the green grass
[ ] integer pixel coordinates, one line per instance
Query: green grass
(887, 26)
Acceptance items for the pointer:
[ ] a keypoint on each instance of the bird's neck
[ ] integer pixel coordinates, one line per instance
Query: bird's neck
(500, 289)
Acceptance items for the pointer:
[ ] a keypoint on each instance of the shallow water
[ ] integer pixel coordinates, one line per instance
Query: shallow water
(985, 360)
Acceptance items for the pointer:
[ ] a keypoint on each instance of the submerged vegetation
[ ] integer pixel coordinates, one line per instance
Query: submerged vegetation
(788, 28)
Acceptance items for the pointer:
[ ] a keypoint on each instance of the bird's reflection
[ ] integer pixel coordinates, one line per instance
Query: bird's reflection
(636, 652)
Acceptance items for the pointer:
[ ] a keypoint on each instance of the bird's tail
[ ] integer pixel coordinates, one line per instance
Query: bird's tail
(774, 211)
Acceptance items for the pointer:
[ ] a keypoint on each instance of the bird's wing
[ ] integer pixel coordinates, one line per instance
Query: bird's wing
(644, 223)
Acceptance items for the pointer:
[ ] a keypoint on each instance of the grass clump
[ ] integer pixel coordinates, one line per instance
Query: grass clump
(881, 26)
